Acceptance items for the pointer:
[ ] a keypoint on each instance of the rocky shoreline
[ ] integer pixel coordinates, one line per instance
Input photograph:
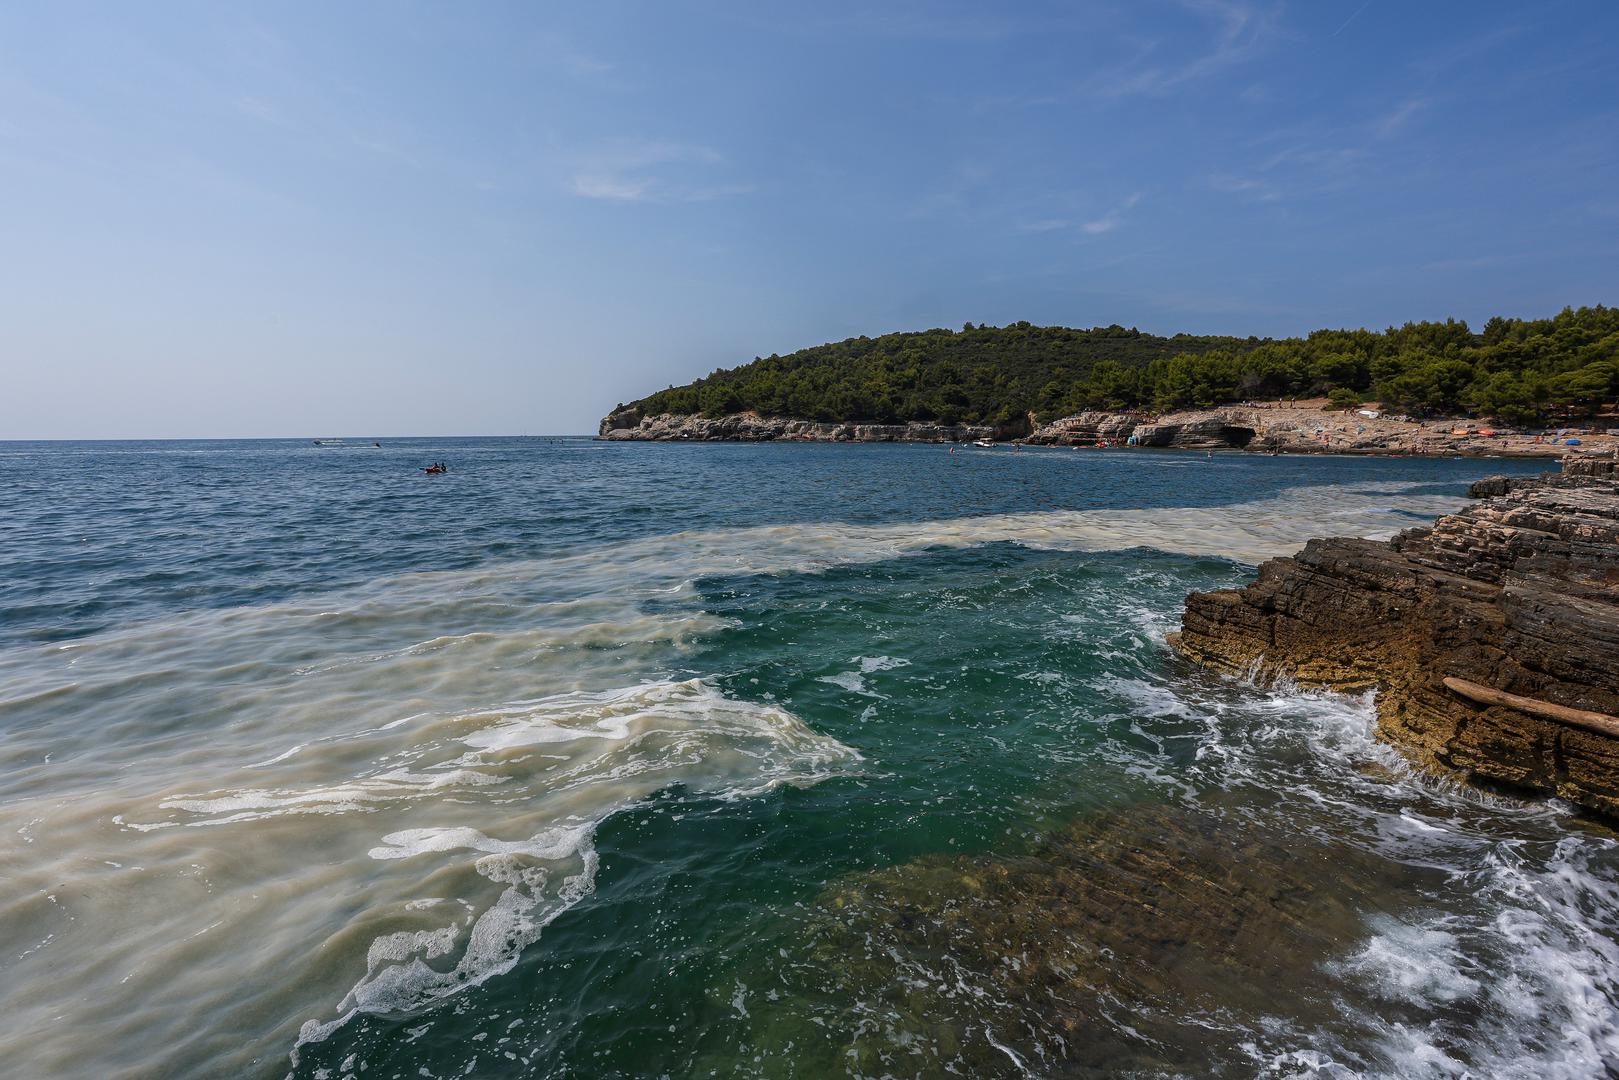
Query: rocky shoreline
(1303, 429)
(630, 425)
(1492, 637)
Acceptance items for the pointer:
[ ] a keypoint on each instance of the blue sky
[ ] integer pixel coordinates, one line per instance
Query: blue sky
(394, 218)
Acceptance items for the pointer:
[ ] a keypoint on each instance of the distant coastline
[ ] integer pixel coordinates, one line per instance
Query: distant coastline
(1270, 427)
(1557, 371)
(1433, 387)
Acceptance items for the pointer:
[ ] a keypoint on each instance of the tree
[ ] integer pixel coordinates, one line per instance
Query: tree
(1344, 398)
(1515, 368)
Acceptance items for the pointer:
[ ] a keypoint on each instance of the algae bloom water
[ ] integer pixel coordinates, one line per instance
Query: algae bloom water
(590, 760)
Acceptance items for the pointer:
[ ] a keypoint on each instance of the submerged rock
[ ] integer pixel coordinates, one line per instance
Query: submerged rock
(1518, 595)
(1132, 942)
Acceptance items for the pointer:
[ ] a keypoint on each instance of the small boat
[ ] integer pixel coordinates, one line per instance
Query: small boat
(987, 444)
(435, 470)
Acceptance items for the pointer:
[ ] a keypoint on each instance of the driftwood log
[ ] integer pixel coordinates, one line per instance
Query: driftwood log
(1484, 695)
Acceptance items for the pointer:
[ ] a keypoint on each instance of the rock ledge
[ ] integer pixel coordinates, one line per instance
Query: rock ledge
(1513, 601)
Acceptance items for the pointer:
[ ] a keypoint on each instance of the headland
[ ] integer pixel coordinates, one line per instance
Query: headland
(1269, 427)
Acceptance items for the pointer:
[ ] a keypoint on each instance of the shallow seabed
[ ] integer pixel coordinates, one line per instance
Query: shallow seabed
(782, 761)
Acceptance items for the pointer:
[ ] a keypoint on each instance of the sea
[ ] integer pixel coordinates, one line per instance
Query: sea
(592, 759)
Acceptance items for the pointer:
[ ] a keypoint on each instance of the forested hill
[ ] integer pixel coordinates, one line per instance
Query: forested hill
(1516, 369)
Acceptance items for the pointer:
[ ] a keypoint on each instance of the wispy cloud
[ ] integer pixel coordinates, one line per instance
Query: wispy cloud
(1467, 50)
(991, 103)
(922, 20)
(261, 109)
(1397, 118)
(1112, 219)
(579, 63)
(1353, 16)
(621, 189)
(1258, 190)
(1241, 30)
(1476, 262)
(1044, 225)
(557, 52)
(954, 194)
(1321, 160)
(652, 170)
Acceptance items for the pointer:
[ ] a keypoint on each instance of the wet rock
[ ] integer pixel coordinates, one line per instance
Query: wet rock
(1131, 943)
(1519, 593)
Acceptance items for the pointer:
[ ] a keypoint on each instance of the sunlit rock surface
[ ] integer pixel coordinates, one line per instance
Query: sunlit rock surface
(750, 427)
(1518, 594)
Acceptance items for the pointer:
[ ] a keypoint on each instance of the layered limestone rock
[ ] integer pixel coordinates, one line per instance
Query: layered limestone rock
(750, 427)
(1265, 428)
(1294, 431)
(1514, 601)
(1217, 430)
(1087, 429)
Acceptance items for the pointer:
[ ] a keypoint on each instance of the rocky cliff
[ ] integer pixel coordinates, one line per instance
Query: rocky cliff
(1290, 430)
(1271, 428)
(1492, 637)
(1087, 429)
(630, 424)
(1212, 429)
(1232, 428)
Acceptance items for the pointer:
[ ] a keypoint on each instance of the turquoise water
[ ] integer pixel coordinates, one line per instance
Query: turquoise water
(596, 759)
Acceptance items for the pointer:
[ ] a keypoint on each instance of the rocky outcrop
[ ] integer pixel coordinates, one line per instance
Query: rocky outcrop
(1087, 429)
(1296, 430)
(750, 427)
(1233, 428)
(1219, 430)
(1268, 428)
(1515, 601)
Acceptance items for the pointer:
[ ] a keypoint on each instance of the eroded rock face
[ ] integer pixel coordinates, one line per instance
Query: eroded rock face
(1218, 430)
(1086, 429)
(1263, 428)
(1519, 593)
(749, 427)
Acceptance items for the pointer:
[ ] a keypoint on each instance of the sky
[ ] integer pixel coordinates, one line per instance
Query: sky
(370, 219)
